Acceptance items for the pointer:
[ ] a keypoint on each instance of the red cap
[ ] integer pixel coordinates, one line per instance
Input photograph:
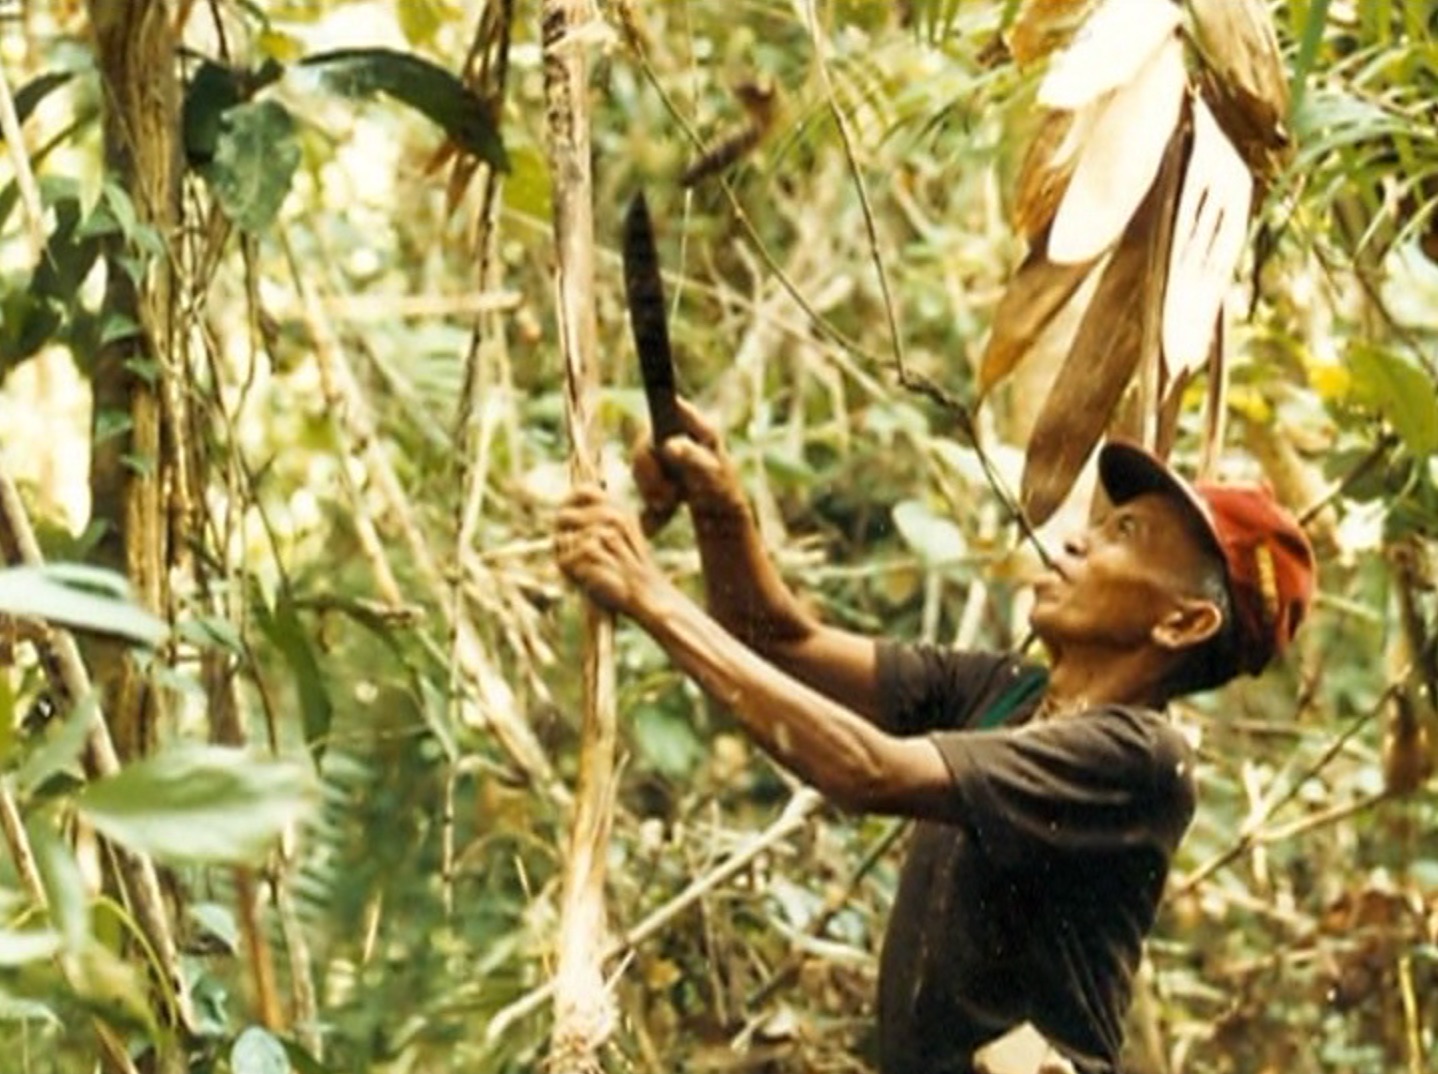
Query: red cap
(1270, 564)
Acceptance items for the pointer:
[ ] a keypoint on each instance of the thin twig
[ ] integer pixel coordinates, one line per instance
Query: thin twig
(791, 819)
(24, 175)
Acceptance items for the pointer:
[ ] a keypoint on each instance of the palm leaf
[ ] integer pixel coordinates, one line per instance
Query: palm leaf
(1120, 327)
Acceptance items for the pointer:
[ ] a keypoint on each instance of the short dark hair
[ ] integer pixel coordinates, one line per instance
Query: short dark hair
(1215, 661)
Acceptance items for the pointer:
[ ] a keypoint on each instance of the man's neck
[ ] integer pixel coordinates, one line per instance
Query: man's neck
(1080, 680)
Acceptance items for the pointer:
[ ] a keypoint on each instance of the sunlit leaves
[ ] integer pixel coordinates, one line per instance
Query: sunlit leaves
(1398, 390)
(80, 597)
(257, 1052)
(198, 803)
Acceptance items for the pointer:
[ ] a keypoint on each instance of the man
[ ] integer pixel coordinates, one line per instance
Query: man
(1050, 801)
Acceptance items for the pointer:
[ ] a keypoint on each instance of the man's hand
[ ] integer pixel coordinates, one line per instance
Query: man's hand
(693, 469)
(600, 549)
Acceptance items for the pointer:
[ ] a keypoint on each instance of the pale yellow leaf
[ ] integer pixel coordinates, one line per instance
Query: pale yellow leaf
(1108, 52)
(1208, 235)
(1117, 164)
(1042, 26)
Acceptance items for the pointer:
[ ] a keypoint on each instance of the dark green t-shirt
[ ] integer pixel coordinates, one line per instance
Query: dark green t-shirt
(1032, 904)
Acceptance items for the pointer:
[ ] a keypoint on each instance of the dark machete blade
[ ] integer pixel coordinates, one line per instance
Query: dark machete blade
(647, 317)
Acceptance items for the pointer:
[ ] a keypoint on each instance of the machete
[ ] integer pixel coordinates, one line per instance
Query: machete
(647, 317)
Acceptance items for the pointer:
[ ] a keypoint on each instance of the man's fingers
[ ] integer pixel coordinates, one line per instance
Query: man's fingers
(696, 425)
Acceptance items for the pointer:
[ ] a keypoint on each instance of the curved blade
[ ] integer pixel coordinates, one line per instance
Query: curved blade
(645, 292)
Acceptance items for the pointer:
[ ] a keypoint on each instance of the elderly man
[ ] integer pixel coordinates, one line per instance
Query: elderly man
(1050, 800)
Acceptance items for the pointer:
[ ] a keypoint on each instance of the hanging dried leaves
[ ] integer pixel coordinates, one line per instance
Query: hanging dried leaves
(1033, 299)
(1117, 164)
(1209, 230)
(1120, 326)
(1108, 53)
(1131, 159)
(1241, 77)
(1044, 26)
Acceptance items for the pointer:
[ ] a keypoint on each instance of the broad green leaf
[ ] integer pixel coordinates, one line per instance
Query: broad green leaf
(19, 948)
(1400, 391)
(426, 87)
(64, 885)
(936, 540)
(212, 632)
(68, 597)
(58, 749)
(198, 803)
(20, 1009)
(287, 633)
(667, 741)
(254, 164)
(257, 1052)
(218, 921)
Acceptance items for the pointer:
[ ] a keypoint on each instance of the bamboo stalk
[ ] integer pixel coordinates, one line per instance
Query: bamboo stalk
(584, 1009)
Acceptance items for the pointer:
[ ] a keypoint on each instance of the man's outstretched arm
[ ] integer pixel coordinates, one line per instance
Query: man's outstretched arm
(745, 593)
(822, 741)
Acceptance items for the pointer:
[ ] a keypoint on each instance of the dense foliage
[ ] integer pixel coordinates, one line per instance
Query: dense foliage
(358, 500)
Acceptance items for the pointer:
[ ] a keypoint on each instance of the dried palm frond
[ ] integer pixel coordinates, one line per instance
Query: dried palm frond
(1044, 26)
(1118, 162)
(1033, 298)
(1110, 50)
(1209, 230)
(1241, 77)
(1120, 327)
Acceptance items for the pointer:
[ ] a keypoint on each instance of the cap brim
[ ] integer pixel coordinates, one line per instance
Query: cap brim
(1127, 471)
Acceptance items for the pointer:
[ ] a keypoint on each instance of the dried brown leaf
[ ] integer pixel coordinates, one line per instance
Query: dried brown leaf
(1243, 80)
(1044, 26)
(1047, 167)
(1109, 52)
(1208, 235)
(1120, 158)
(1033, 298)
(1120, 327)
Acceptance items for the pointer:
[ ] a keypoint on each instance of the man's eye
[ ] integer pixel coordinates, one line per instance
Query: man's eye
(1126, 525)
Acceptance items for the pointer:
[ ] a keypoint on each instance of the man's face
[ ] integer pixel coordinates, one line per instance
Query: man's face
(1113, 584)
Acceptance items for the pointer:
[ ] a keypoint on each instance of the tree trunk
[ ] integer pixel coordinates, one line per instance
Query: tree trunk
(583, 1006)
(135, 54)
(135, 51)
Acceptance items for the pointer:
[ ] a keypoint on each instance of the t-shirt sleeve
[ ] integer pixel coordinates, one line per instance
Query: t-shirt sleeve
(927, 688)
(1103, 782)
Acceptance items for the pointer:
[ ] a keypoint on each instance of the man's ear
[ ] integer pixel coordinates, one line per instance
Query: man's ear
(1190, 622)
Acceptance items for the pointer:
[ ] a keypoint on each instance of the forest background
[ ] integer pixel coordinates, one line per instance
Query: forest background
(283, 389)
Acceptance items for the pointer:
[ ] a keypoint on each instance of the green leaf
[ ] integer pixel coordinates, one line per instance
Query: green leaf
(667, 741)
(71, 596)
(59, 749)
(118, 326)
(218, 921)
(212, 92)
(64, 885)
(935, 539)
(254, 164)
(256, 1052)
(1398, 390)
(287, 633)
(199, 803)
(427, 88)
(28, 321)
(18, 948)
(212, 632)
(29, 96)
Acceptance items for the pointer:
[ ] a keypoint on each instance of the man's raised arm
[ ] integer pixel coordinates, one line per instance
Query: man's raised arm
(744, 590)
